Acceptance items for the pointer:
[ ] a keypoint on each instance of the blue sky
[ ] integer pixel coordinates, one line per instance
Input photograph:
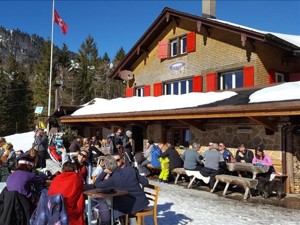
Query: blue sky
(115, 24)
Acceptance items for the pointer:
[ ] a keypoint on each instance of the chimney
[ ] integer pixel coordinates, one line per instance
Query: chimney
(209, 9)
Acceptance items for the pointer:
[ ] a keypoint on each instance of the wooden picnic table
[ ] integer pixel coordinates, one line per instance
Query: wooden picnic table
(247, 167)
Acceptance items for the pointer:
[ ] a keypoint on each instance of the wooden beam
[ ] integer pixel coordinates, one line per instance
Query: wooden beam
(142, 124)
(118, 124)
(101, 124)
(266, 123)
(193, 123)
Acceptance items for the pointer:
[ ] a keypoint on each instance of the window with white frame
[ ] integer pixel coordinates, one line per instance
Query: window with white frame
(178, 87)
(178, 46)
(231, 79)
(139, 92)
(183, 45)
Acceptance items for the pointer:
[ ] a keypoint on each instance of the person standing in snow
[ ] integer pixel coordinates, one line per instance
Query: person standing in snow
(41, 145)
(129, 148)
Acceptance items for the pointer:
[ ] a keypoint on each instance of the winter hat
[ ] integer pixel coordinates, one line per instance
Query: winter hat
(128, 133)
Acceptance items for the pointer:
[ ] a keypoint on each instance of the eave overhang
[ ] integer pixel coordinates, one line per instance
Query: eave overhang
(287, 108)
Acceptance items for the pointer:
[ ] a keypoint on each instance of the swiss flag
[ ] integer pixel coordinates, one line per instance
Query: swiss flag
(57, 19)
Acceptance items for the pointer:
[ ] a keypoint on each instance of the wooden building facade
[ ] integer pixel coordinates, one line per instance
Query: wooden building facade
(182, 53)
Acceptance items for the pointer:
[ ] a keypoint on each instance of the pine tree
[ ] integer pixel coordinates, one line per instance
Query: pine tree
(65, 78)
(41, 82)
(4, 104)
(119, 56)
(86, 70)
(19, 100)
(103, 85)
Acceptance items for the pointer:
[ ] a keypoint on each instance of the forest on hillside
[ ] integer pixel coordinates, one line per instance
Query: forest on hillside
(24, 78)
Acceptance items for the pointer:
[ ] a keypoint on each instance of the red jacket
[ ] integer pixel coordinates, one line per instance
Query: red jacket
(70, 185)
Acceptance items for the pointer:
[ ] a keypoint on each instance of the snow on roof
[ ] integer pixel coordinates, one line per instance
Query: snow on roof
(150, 103)
(281, 92)
(293, 39)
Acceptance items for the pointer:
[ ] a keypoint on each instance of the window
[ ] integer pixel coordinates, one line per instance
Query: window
(174, 47)
(183, 45)
(230, 80)
(178, 46)
(279, 77)
(178, 87)
(139, 92)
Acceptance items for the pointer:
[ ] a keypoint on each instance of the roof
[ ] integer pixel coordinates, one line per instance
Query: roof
(288, 42)
(233, 106)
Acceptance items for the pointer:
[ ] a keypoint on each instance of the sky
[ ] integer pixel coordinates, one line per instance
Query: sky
(114, 24)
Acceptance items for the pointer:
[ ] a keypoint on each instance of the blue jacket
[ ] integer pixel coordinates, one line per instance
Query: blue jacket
(126, 179)
(50, 210)
(155, 154)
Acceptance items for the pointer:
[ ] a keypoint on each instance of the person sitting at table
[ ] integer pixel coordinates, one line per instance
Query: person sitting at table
(119, 157)
(243, 155)
(191, 158)
(227, 155)
(263, 159)
(146, 159)
(80, 161)
(22, 180)
(70, 184)
(174, 157)
(126, 179)
(213, 160)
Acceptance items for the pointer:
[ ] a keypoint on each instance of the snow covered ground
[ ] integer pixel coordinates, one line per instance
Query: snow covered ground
(181, 206)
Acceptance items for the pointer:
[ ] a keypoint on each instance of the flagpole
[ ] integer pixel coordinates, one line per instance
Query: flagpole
(51, 62)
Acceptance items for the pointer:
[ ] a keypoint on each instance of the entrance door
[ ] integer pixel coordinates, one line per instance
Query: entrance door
(138, 136)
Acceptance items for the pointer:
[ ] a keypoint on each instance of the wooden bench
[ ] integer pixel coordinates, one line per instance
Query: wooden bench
(246, 183)
(194, 175)
(153, 170)
(178, 171)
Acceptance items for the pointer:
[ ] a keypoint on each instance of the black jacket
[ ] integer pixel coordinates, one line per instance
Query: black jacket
(248, 156)
(15, 209)
(174, 157)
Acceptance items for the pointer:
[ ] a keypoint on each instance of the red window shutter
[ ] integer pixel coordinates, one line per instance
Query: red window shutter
(294, 77)
(191, 42)
(211, 82)
(249, 76)
(129, 92)
(197, 83)
(271, 76)
(147, 90)
(157, 89)
(163, 49)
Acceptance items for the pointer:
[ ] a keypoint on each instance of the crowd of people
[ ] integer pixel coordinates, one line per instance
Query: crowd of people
(121, 167)
(25, 175)
(209, 163)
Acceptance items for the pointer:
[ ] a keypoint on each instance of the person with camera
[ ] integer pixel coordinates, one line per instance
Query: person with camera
(41, 145)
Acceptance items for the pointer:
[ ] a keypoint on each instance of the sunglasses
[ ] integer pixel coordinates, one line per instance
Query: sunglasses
(83, 155)
(118, 160)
